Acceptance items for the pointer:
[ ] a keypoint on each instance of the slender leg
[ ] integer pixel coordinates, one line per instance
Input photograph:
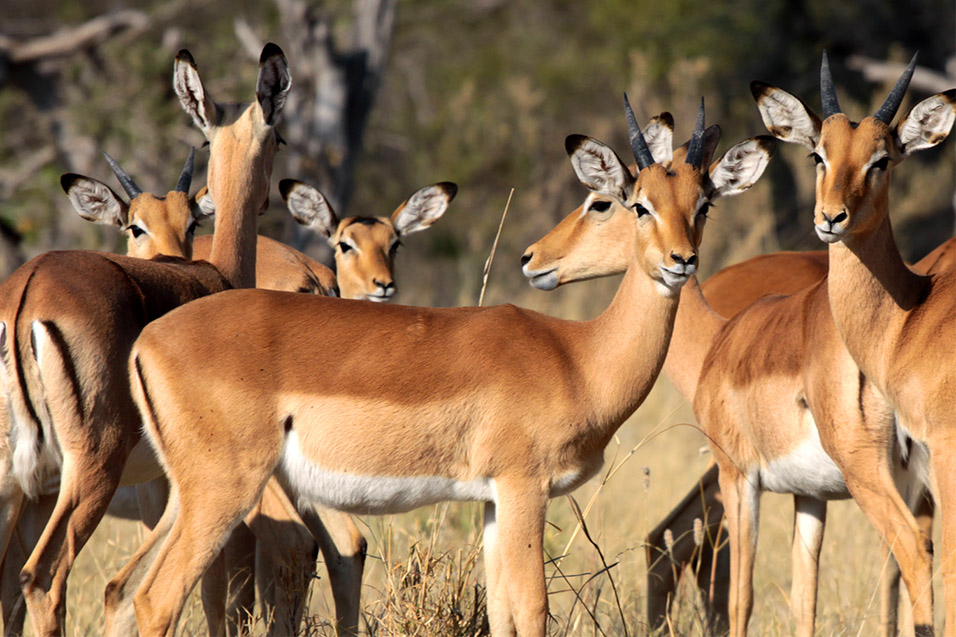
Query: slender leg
(499, 609)
(889, 592)
(741, 506)
(944, 466)
(810, 516)
(519, 518)
(33, 517)
(85, 491)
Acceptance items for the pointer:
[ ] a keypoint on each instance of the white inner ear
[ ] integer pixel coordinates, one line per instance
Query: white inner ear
(311, 209)
(421, 210)
(739, 168)
(191, 94)
(94, 201)
(601, 170)
(207, 207)
(927, 124)
(660, 140)
(788, 119)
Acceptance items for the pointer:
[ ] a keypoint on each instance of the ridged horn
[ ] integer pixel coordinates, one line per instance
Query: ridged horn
(888, 111)
(186, 177)
(695, 151)
(639, 147)
(132, 190)
(827, 91)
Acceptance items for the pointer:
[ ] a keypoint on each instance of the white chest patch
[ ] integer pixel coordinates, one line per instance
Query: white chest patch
(373, 495)
(807, 471)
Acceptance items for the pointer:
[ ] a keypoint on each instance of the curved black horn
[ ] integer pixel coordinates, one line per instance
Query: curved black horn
(888, 111)
(186, 177)
(695, 151)
(827, 91)
(641, 153)
(132, 190)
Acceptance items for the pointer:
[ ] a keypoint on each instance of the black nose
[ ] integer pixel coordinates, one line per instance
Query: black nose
(384, 286)
(526, 257)
(691, 260)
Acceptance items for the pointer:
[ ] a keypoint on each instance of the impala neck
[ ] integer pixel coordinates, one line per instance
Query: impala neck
(871, 292)
(695, 327)
(237, 220)
(624, 350)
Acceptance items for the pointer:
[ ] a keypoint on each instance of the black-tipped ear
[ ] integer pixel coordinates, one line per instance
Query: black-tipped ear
(269, 50)
(274, 82)
(573, 142)
(286, 186)
(67, 181)
(760, 89)
(186, 57)
(450, 189)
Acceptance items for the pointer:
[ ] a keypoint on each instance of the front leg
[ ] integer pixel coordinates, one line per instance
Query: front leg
(520, 508)
(499, 610)
(809, 521)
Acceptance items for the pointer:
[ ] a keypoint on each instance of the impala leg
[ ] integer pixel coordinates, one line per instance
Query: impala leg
(86, 486)
(889, 592)
(240, 564)
(343, 548)
(119, 611)
(33, 517)
(215, 591)
(499, 609)
(809, 521)
(741, 508)
(944, 466)
(519, 519)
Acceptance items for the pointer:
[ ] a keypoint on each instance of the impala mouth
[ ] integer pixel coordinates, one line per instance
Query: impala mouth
(543, 280)
(834, 234)
(677, 276)
(380, 298)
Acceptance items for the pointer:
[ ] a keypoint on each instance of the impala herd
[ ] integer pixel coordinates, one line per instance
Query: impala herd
(255, 414)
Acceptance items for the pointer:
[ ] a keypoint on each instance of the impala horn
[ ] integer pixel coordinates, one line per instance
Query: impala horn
(888, 111)
(695, 151)
(186, 177)
(827, 91)
(641, 153)
(132, 190)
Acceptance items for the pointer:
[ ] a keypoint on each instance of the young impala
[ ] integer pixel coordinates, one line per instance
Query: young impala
(68, 320)
(899, 326)
(385, 408)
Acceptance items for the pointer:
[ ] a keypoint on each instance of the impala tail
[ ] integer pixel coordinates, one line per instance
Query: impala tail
(36, 453)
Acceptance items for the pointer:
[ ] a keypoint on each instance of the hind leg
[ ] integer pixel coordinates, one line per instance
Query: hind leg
(33, 517)
(809, 521)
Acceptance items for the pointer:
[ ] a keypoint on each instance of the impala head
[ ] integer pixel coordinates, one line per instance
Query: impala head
(365, 246)
(238, 133)
(853, 159)
(155, 225)
(667, 201)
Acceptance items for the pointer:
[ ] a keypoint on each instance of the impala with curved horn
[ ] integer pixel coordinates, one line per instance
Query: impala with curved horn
(386, 408)
(899, 326)
(68, 319)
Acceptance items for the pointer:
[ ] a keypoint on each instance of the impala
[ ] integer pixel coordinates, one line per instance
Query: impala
(385, 408)
(897, 325)
(68, 320)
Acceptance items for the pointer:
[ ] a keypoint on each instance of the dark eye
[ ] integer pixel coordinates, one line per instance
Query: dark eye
(192, 227)
(641, 210)
(344, 247)
(599, 206)
(881, 164)
(137, 231)
(394, 248)
(816, 158)
(702, 213)
(205, 144)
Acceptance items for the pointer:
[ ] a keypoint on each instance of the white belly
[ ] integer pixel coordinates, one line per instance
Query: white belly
(372, 495)
(807, 471)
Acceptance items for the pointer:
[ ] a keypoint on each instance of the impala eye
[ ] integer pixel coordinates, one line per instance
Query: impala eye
(137, 231)
(816, 158)
(344, 247)
(881, 164)
(702, 213)
(599, 206)
(641, 210)
(394, 248)
(193, 227)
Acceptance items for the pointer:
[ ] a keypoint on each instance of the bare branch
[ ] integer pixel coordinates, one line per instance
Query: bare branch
(924, 79)
(70, 39)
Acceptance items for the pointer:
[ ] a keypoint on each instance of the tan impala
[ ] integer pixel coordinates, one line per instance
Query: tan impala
(898, 325)
(589, 242)
(387, 408)
(69, 319)
(154, 226)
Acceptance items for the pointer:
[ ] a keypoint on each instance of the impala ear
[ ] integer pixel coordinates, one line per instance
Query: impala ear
(424, 207)
(309, 207)
(192, 95)
(927, 124)
(599, 167)
(201, 204)
(659, 136)
(274, 82)
(95, 201)
(741, 166)
(786, 117)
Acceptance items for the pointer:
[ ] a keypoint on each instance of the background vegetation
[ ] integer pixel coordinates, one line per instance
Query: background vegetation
(483, 92)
